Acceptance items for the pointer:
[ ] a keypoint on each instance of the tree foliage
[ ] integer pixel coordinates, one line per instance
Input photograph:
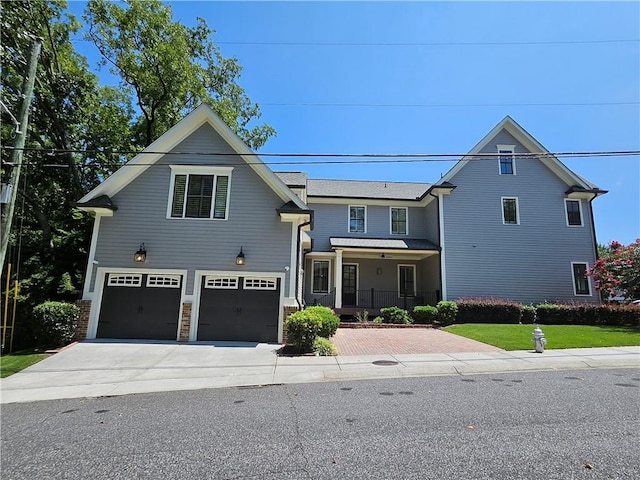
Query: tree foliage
(78, 125)
(170, 68)
(617, 271)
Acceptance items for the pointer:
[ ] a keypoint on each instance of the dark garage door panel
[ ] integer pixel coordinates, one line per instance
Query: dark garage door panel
(239, 315)
(139, 312)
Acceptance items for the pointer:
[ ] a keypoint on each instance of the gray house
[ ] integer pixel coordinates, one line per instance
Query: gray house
(197, 239)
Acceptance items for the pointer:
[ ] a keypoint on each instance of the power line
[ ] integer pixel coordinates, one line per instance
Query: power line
(445, 105)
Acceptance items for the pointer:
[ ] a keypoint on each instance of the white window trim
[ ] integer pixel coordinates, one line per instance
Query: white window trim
(573, 278)
(349, 217)
(227, 282)
(198, 170)
(260, 283)
(566, 211)
(415, 286)
(512, 150)
(502, 199)
(406, 209)
(174, 281)
(313, 262)
(124, 280)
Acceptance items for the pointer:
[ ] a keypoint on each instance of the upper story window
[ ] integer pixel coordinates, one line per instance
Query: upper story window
(199, 192)
(320, 276)
(510, 214)
(506, 160)
(399, 221)
(573, 208)
(581, 284)
(357, 219)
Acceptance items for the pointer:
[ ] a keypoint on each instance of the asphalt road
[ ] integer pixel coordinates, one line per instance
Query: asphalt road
(538, 425)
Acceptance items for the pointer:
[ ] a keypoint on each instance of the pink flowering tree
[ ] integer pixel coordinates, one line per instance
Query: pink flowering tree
(617, 271)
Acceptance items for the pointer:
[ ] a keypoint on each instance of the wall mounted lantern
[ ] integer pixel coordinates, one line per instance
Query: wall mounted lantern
(240, 258)
(141, 255)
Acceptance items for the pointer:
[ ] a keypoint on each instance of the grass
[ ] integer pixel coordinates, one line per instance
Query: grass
(10, 364)
(518, 337)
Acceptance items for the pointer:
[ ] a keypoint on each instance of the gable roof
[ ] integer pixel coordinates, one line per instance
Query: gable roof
(531, 144)
(176, 134)
(366, 189)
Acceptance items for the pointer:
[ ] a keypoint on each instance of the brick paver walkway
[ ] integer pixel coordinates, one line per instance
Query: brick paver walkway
(380, 341)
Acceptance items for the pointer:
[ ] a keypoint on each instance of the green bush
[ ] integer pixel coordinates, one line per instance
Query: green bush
(488, 310)
(378, 319)
(424, 314)
(555, 314)
(302, 329)
(330, 322)
(395, 315)
(54, 323)
(528, 314)
(447, 311)
(323, 347)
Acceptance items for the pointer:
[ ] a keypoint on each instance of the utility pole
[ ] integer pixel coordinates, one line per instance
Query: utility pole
(18, 145)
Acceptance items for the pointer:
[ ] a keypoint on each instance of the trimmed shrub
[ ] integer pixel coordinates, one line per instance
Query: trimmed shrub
(323, 347)
(488, 310)
(555, 314)
(528, 314)
(395, 315)
(378, 319)
(330, 322)
(424, 314)
(54, 323)
(447, 311)
(302, 329)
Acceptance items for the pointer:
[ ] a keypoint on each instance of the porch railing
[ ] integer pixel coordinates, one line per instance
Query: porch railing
(377, 299)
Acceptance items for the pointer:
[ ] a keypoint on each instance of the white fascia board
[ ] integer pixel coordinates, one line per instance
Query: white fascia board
(530, 143)
(102, 211)
(176, 134)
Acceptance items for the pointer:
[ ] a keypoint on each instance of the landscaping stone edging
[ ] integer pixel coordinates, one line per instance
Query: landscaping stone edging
(380, 325)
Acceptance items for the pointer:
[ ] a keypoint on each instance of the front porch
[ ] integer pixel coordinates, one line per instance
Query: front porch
(373, 300)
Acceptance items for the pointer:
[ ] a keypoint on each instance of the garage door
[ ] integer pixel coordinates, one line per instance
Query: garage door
(239, 309)
(145, 306)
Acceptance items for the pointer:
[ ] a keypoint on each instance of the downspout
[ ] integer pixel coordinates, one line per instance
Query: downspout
(593, 231)
(299, 257)
(439, 236)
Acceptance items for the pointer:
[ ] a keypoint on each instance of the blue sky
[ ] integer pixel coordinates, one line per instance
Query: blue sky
(431, 77)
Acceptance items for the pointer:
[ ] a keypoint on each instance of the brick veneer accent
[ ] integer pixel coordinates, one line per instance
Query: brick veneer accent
(185, 324)
(287, 311)
(83, 321)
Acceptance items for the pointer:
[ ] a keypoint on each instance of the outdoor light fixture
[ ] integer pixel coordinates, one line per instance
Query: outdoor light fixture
(140, 255)
(240, 258)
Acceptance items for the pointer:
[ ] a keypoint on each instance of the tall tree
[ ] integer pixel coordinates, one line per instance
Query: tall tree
(170, 68)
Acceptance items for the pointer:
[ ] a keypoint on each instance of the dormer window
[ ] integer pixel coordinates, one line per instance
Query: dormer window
(506, 160)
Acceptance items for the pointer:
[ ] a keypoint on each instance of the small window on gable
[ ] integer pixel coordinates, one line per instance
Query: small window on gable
(320, 276)
(574, 212)
(510, 214)
(357, 219)
(399, 221)
(199, 193)
(581, 284)
(506, 160)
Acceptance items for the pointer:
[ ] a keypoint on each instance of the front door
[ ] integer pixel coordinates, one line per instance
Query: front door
(349, 285)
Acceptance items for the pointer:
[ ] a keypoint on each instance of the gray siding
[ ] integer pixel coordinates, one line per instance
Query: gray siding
(333, 221)
(530, 262)
(196, 243)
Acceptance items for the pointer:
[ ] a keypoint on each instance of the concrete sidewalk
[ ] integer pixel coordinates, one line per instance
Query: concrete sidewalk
(93, 369)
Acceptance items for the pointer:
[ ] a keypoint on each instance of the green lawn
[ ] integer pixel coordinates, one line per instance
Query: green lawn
(10, 364)
(518, 337)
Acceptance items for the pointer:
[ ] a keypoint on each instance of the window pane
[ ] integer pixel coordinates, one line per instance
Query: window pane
(220, 208)
(399, 220)
(179, 185)
(320, 277)
(510, 210)
(407, 286)
(506, 162)
(573, 212)
(356, 219)
(580, 278)
(199, 196)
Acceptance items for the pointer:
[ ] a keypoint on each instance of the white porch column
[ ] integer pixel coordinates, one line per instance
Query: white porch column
(338, 278)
